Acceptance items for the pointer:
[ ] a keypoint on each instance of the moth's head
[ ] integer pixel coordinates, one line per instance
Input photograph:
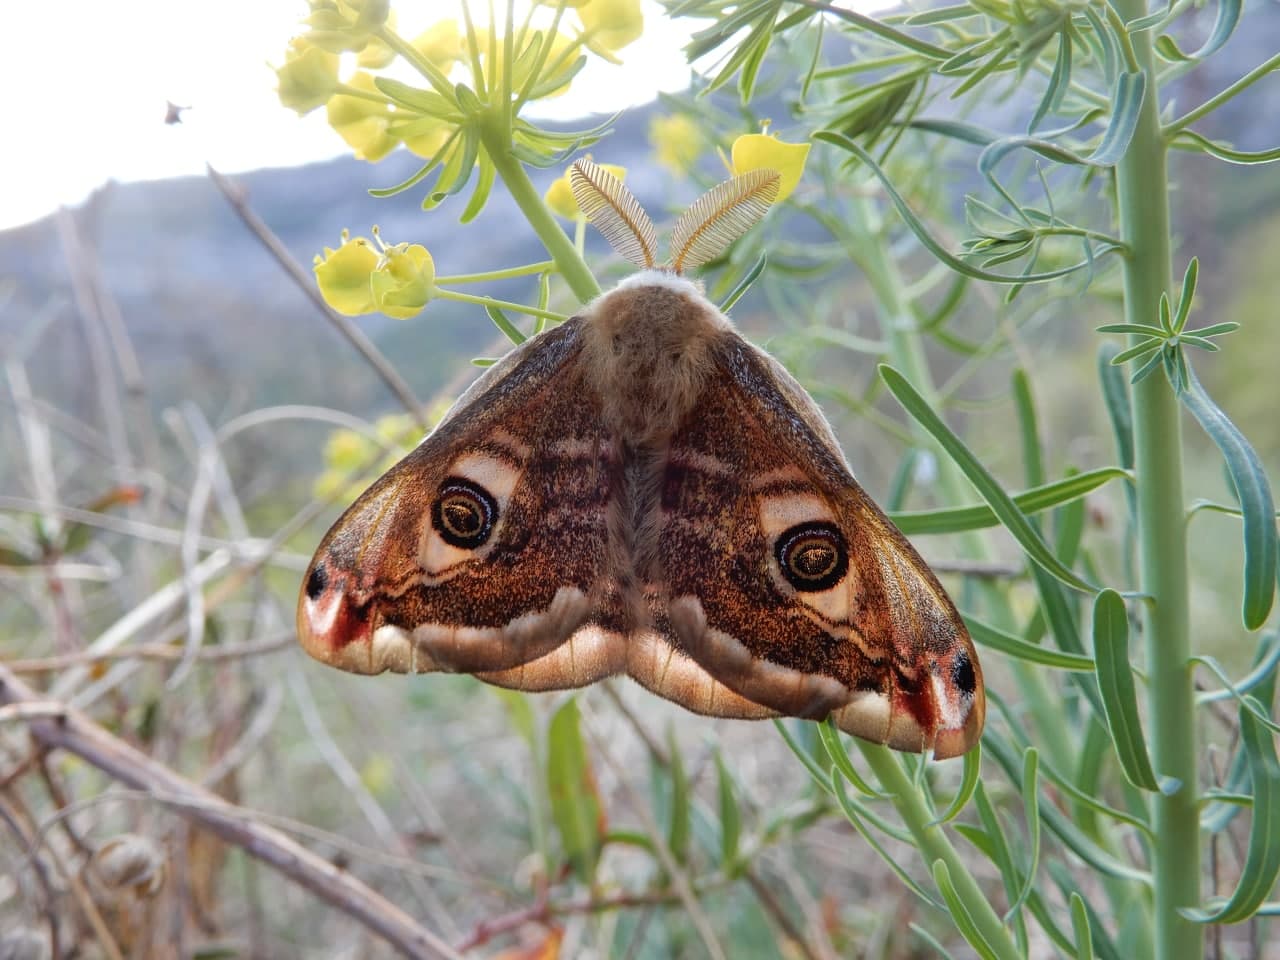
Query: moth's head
(704, 231)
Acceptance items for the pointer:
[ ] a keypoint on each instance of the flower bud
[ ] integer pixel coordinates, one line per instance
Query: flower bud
(343, 275)
(361, 122)
(308, 78)
(404, 280)
(677, 142)
(609, 25)
(559, 196)
(441, 44)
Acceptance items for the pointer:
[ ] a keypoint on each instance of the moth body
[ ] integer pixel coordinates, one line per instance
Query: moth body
(646, 346)
(642, 491)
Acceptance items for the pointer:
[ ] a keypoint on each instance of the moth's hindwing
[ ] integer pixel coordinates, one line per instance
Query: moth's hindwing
(786, 583)
(484, 549)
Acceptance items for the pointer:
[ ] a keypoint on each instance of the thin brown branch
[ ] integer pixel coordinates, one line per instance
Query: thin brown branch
(353, 334)
(75, 732)
(154, 651)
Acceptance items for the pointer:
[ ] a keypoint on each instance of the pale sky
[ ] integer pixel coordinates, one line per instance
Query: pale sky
(87, 81)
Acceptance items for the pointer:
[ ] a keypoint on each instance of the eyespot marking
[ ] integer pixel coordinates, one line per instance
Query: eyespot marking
(318, 580)
(812, 556)
(463, 513)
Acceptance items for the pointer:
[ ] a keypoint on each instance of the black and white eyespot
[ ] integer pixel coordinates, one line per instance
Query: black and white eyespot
(812, 556)
(464, 513)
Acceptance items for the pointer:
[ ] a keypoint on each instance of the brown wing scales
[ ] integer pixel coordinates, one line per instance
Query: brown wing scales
(785, 582)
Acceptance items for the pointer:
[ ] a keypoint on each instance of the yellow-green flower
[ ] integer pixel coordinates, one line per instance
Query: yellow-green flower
(609, 25)
(343, 275)
(363, 122)
(403, 281)
(308, 78)
(441, 44)
(677, 142)
(756, 151)
(340, 25)
(376, 55)
(425, 135)
(559, 196)
(350, 451)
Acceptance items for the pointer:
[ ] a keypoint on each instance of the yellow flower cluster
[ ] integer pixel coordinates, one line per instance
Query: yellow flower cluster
(364, 276)
(374, 119)
(349, 455)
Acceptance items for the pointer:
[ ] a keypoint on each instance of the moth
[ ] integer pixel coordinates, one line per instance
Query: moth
(641, 491)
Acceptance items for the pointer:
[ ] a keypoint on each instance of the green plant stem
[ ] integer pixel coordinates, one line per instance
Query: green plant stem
(933, 844)
(1142, 188)
(500, 304)
(1213, 103)
(496, 138)
(527, 270)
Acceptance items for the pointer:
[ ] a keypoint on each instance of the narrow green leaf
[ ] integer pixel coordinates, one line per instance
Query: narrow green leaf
(1119, 411)
(1262, 857)
(1224, 25)
(571, 788)
(1137, 350)
(1029, 429)
(1265, 660)
(820, 775)
(938, 949)
(829, 735)
(1031, 808)
(678, 830)
(956, 519)
(1190, 140)
(1186, 295)
(994, 832)
(1062, 825)
(930, 243)
(854, 814)
(1142, 329)
(1256, 503)
(745, 283)
(968, 783)
(506, 326)
(996, 639)
(1059, 82)
(1148, 368)
(960, 915)
(1080, 927)
(1115, 681)
(730, 817)
(1245, 701)
(1013, 519)
(480, 196)
(1126, 102)
(1218, 329)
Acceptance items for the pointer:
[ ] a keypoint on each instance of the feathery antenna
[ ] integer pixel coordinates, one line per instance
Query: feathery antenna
(615, 211)
(720, 216)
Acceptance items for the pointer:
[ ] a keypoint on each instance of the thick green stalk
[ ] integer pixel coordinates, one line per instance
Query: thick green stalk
(496, 137)
(1143, 194)
(933, 844)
